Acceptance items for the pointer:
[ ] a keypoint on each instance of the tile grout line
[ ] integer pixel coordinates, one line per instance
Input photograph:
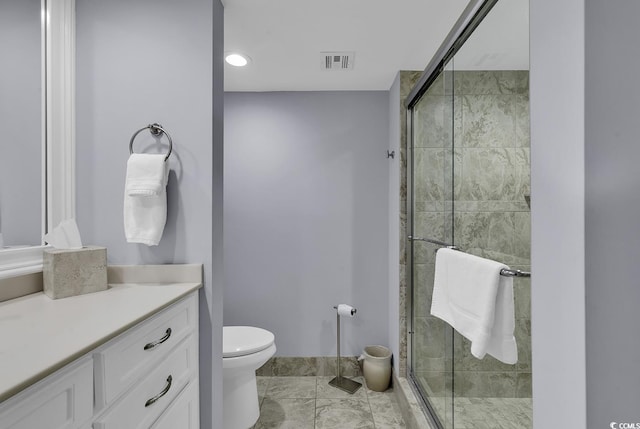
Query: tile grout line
(315, 405)
(366, 394)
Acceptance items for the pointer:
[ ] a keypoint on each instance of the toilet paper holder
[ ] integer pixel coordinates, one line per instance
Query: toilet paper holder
(339, 381)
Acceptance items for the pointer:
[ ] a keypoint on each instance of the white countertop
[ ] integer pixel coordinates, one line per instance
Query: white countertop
(39, 335)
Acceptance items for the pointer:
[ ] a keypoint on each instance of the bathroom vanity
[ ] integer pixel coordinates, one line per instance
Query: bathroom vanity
(126, 357)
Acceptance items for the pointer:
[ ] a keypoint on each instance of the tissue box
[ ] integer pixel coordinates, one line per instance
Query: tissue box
(68, 272)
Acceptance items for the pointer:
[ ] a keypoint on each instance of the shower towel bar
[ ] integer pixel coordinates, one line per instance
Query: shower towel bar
(503, 272)
(514, 273)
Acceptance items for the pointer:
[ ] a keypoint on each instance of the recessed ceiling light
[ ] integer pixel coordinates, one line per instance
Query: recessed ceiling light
(236, 59)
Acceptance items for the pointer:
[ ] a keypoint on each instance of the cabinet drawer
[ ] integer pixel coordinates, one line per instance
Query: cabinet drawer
(130, 356)
(183, 413)
(136, 410)
(64, 400)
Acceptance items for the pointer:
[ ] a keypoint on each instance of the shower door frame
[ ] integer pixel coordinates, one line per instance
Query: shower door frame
(420, 393)
(469, 20)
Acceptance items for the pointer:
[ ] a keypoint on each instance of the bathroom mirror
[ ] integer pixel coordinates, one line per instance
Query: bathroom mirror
(37, 153)
(21, 123)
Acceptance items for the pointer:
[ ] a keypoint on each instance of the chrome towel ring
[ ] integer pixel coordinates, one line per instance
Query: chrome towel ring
(156, 130)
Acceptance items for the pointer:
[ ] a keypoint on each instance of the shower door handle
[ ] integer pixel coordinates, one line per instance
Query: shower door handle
(433, 241)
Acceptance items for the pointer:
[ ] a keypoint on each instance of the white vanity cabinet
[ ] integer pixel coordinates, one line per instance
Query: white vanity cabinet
(183, 413)
(64, 400)
(147, 376)
(139, 374)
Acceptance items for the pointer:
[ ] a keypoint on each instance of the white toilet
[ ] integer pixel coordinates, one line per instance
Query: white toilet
(245, 349)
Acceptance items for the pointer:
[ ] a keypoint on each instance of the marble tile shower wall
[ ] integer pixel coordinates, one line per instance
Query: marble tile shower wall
(490, 217)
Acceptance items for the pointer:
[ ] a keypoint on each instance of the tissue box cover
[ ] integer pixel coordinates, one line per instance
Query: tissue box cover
(70, 272)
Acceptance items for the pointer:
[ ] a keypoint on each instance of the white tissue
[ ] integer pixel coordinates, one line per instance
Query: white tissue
(65, 236)
(346, 310)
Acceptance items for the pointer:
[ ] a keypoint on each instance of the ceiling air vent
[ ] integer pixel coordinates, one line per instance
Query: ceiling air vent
(337, 60)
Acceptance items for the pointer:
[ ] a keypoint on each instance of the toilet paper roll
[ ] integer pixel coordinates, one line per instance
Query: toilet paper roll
(346, 310)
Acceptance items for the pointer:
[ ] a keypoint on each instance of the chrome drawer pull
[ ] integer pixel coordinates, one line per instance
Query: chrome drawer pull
(161, 394)
(160, 341)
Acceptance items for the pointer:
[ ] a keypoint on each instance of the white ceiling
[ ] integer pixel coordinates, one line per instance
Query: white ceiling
(284, 39)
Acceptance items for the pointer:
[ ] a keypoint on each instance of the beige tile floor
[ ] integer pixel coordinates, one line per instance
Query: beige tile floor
(310, 403)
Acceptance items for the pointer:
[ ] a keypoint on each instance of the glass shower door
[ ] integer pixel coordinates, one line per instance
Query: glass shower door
(469, 185)
(430, 222)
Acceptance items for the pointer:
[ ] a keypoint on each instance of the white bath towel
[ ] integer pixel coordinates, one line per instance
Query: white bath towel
(470, 294)
(145, 198)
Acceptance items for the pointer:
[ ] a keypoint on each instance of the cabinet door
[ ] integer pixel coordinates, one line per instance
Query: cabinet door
(183, 413)
(63, 400)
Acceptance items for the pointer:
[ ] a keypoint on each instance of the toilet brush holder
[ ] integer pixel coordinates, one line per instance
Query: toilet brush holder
(339, 381)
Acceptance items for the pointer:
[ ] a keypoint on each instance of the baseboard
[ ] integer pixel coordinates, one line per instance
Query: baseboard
(286, 366)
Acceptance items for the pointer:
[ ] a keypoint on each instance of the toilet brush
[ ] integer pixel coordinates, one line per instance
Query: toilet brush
(339, 381)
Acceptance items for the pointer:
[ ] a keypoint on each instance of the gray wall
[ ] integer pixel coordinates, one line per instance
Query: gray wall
(585, 208)
(20, 122)
(152, 61)
(306, 217)
(394, 223)
(612, 210)
(557, 213)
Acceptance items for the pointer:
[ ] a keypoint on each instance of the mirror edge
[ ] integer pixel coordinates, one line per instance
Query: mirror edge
(58, 137)
(60, 114)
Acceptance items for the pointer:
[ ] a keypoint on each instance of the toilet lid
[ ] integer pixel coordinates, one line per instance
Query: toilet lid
(244, 340)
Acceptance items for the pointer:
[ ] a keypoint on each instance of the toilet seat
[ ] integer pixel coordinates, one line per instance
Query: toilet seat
(244, 340)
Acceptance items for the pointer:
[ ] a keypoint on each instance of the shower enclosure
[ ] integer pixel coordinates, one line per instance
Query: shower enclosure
(468, 186)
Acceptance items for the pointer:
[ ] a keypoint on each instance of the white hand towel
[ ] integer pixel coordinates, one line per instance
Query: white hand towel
(145, 175)
(470, 294)
(145, 198)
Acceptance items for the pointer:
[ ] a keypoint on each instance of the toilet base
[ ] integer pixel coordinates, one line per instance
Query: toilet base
(240, 390)
(241, 408)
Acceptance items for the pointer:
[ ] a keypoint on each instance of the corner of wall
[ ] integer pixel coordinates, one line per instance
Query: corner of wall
(215, 418)
(557, 213)
(394, 221)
